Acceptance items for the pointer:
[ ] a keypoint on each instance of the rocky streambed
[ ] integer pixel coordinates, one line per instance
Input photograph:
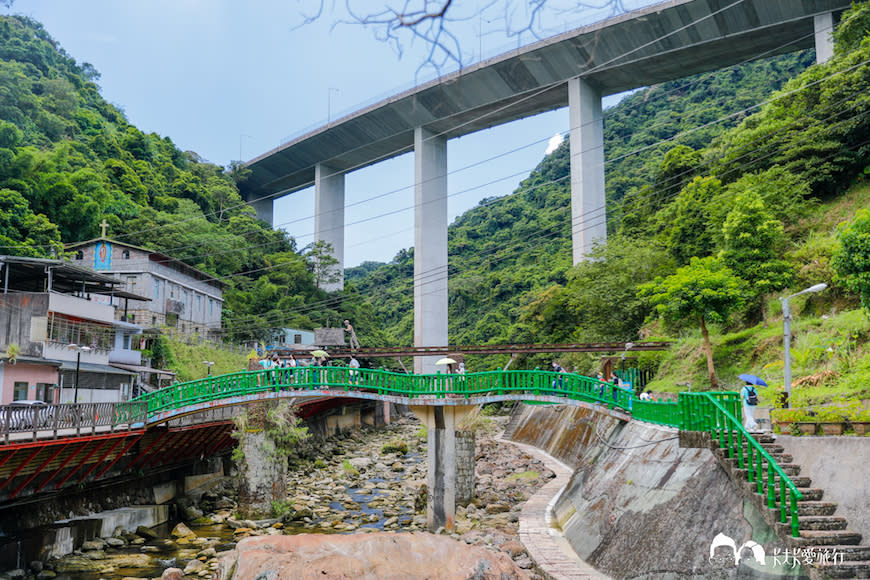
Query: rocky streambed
(362, 481)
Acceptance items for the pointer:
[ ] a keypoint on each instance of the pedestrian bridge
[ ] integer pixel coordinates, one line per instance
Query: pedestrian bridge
(74, 444)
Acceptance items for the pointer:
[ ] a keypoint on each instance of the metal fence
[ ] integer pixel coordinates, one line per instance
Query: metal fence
(42, 421)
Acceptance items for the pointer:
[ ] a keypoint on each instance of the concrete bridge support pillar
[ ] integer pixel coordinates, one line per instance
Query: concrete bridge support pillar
(430, 245)
(329, 219)
(823, 25)
(588, 215)
(264, 479)
(442, 463)
(264, 210)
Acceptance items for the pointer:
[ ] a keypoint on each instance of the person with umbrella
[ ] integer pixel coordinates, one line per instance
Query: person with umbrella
(749, 396)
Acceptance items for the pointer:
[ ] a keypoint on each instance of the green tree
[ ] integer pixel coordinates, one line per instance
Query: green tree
(753, 242)
(854, 27)
(851, 260)
(703, 292)
(323, 263)
(687, 224)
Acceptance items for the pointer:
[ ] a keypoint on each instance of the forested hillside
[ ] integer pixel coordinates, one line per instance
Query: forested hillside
(69, 159)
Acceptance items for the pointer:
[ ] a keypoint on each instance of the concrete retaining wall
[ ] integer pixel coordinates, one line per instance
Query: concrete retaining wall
(837, 465)
(638, 505)
(464, 467)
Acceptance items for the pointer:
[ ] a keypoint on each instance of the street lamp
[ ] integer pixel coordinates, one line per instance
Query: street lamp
(208, 364)
(786, 335)
(628, 346)
(79, 350)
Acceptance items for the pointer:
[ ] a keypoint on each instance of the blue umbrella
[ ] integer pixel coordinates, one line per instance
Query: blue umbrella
(752, 380)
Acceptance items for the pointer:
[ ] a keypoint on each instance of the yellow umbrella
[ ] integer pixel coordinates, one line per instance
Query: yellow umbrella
(319, 353)
(445, 361)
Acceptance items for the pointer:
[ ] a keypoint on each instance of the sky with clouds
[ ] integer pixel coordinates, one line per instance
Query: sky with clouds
(231, 80)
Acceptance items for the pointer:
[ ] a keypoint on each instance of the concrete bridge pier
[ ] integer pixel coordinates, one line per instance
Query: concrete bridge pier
(823, 27)
(445, 460)
(264, 209)
(430, 245)
(588, 215)
(329, 219)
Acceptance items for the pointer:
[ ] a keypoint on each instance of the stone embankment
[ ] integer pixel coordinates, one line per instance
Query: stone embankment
(360, 482)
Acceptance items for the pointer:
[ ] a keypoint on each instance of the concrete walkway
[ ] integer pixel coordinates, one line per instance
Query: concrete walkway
(540, 535)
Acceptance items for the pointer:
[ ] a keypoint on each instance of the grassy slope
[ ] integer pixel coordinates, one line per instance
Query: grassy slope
(189, 365)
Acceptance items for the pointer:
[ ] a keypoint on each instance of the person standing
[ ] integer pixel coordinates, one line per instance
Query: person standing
(348, 328)
(750, 399)
(557, 368)
(354, 372)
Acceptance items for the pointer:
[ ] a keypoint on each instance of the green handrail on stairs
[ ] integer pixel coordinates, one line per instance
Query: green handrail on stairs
(717, 413)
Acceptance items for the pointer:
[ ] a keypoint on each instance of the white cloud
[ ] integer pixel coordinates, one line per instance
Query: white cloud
(553, 143)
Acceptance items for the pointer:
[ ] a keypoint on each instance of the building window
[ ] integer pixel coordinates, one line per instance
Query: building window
(297, 338)
(125, 254)
(153, 321)
(69, 330)
(210, 306)
(80, 255)
(45, 392)
(127, 341)
(20, 393)
(198, 303)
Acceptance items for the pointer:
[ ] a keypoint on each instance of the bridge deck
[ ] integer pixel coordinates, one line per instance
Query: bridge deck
(666, 41)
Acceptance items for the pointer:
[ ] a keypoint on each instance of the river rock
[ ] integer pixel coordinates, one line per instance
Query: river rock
(90, 545)
(172, 574)
(147, 533)
(497, 508)
(182, 531)
(360, 463)
(115, 542)
(192, 513)
(365, 555)
(194, 567)
(75, 563)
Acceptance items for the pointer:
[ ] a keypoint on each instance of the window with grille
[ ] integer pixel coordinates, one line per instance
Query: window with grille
(69, 330)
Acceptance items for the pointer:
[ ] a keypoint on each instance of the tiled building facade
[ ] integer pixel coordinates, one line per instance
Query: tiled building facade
(185, 301)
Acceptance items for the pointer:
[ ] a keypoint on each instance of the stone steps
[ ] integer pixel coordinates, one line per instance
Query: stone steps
(844, 569)
(807, 493)
(816, 508)
(837, 549)
(817, 523)
(824, 538)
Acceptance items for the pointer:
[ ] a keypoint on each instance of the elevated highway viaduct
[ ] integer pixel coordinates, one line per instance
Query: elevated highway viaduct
(666, 41)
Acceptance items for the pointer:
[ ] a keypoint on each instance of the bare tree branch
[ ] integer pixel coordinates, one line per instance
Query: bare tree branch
(438, 24)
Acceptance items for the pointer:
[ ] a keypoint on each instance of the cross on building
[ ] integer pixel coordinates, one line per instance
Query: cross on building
(103, 225)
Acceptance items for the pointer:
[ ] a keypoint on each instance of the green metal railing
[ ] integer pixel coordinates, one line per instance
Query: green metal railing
(719, 415)
(382, 382)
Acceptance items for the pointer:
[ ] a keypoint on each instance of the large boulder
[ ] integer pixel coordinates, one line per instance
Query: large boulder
(364, 556)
